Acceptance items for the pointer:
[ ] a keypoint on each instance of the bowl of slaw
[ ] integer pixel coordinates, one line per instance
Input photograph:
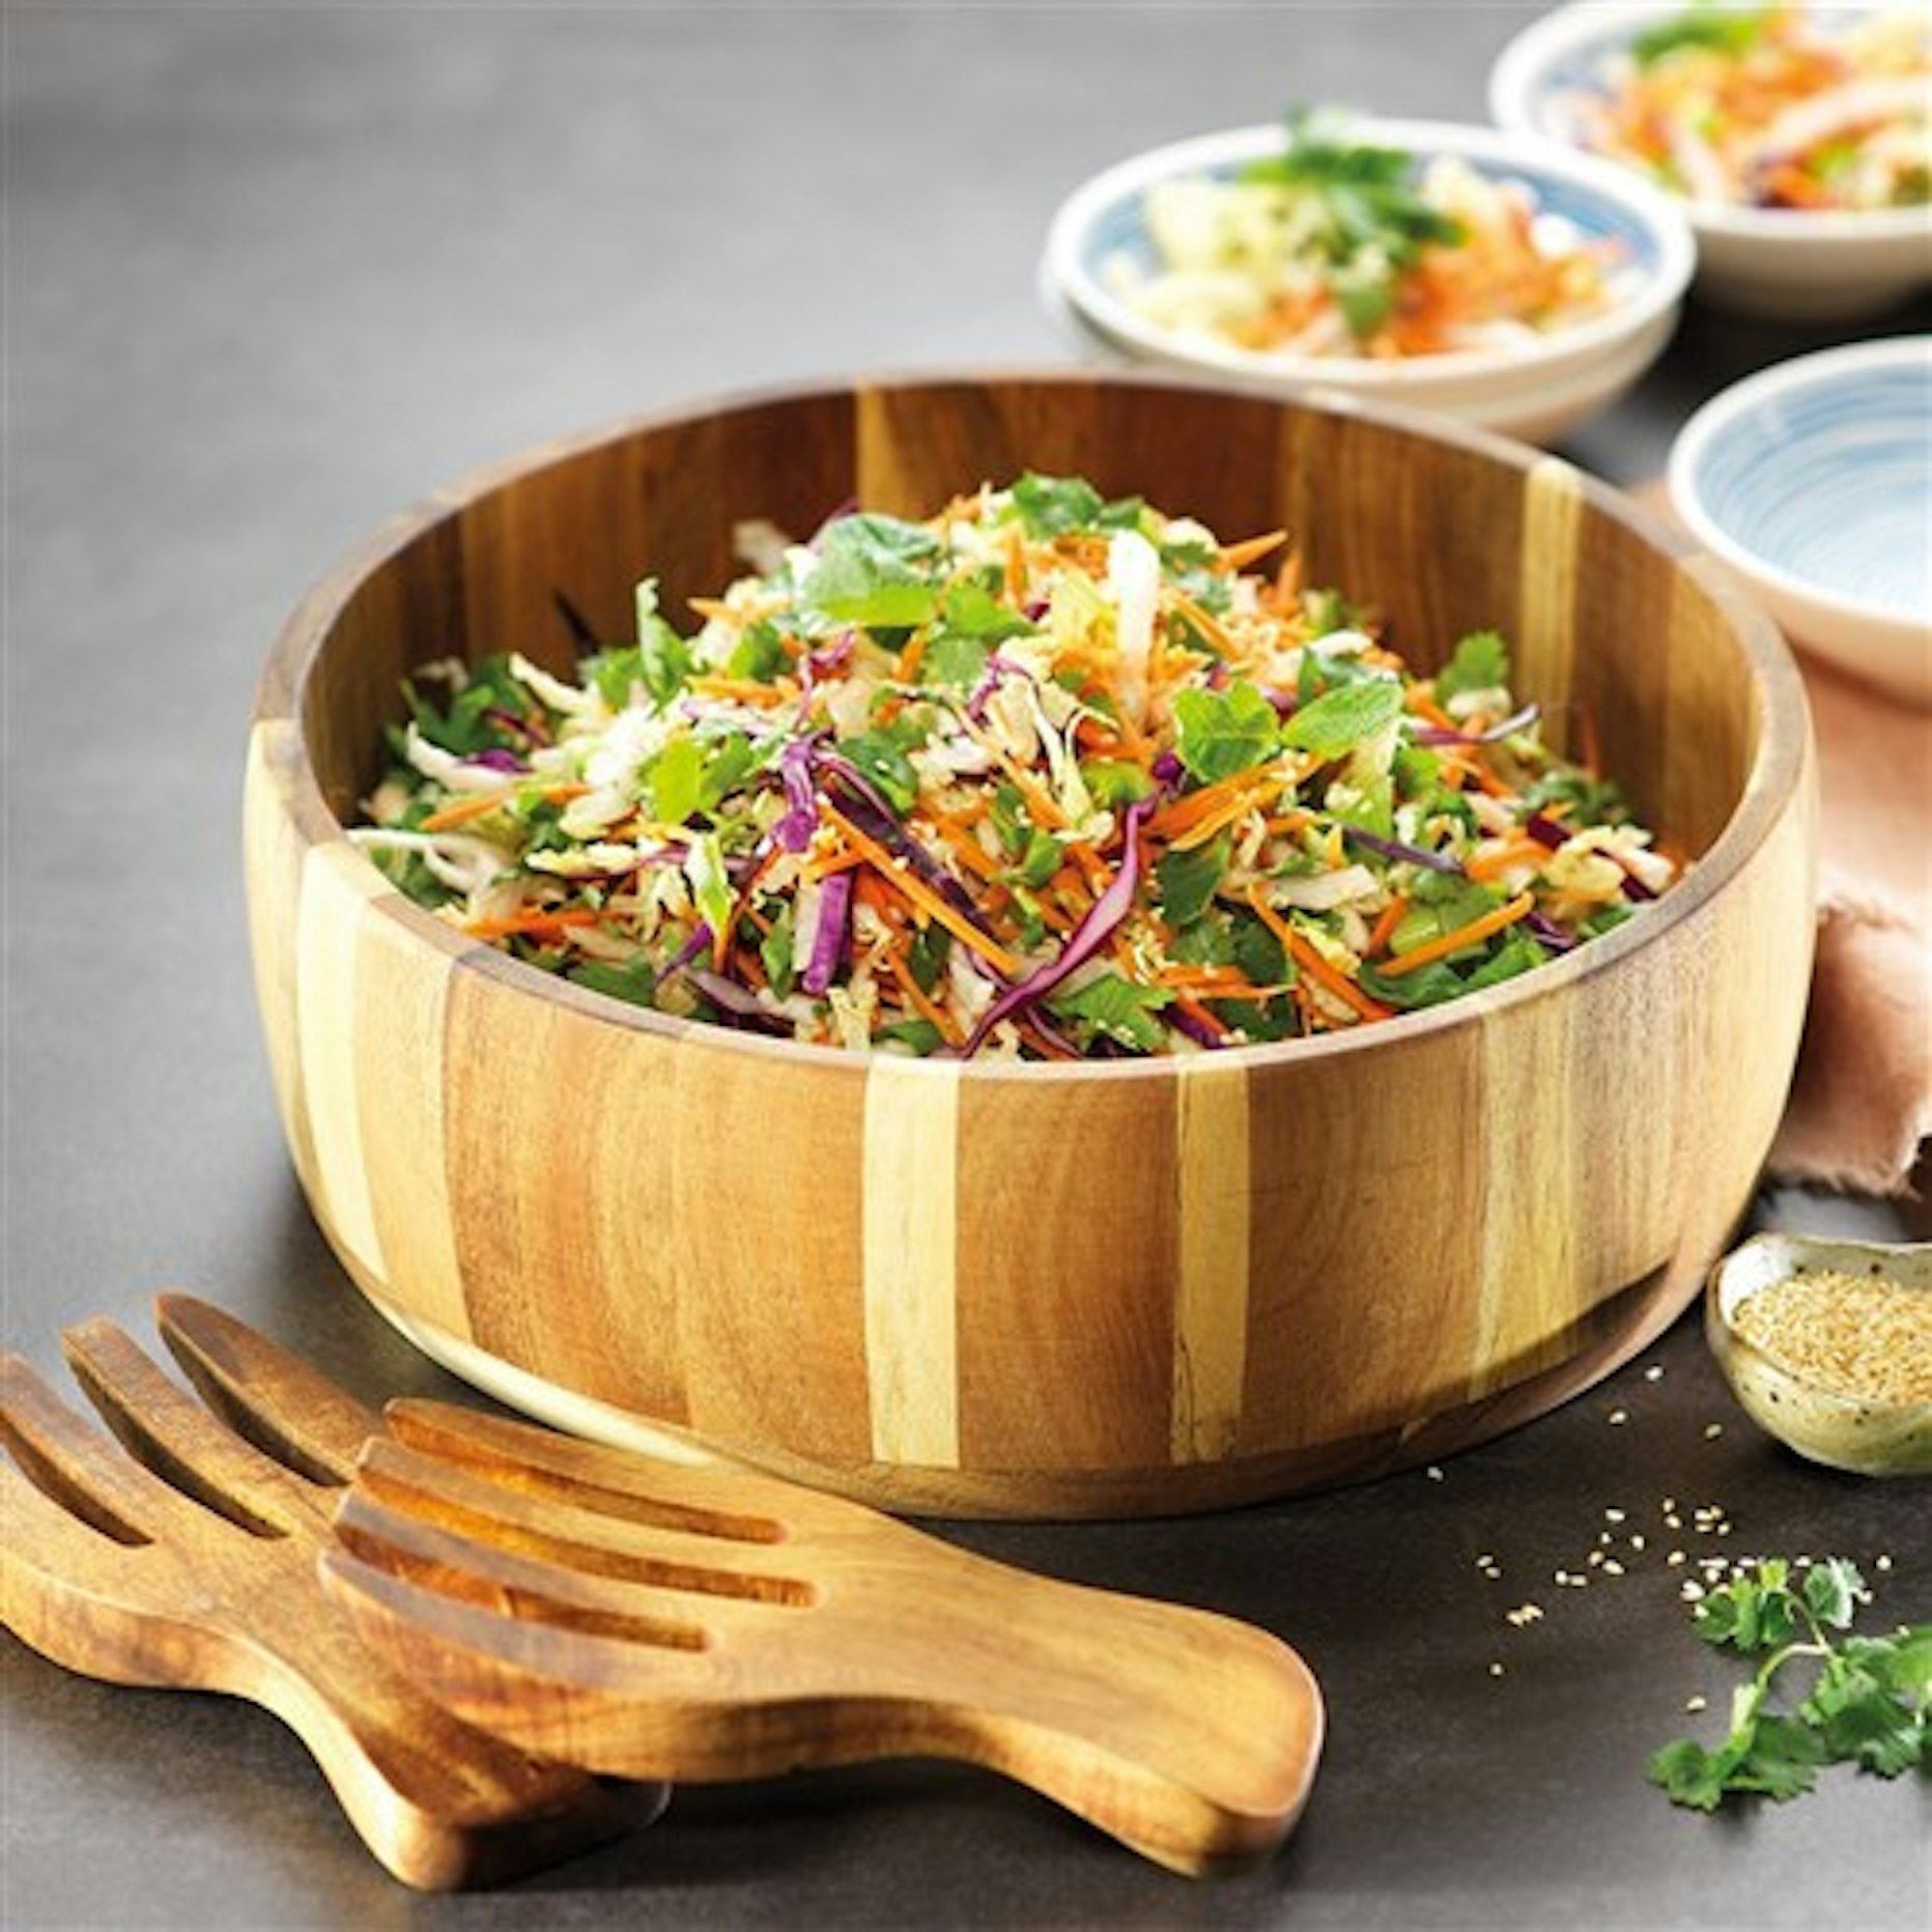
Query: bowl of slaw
(1512, 285)
(1812, 481)
(1796, 139)
(1045, 1277)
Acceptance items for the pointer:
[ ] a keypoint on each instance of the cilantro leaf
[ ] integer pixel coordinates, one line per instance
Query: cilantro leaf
(1055, 507)
(1480, 662)
(1184, 881)
(1221, 732)
(1117, 1007)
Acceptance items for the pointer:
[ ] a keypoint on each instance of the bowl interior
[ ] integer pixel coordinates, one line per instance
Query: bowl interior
(1442, 530)
(1818, 472)
(1101, 234)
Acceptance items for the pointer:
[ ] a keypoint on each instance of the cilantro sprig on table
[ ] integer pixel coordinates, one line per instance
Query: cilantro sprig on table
(1869, 1700)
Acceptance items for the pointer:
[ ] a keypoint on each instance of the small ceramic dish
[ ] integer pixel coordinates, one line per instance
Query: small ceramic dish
(1812, 481)
(1775, 262)
(1099, 244)
(1835, 1412)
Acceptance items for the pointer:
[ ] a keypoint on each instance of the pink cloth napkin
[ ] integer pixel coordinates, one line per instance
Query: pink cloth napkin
(1862, 1101)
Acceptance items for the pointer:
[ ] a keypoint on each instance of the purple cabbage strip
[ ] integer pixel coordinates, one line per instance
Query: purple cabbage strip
(997, 669)
(700, 940)
(493, 757)
(861, 802)
(1081, 943)
(1634, 887)
(828, 940)
(1168, 771)
(1394, 849)
(794, 829)
(1199, 1033)
(1549, 933)
(729, 996)
(831, 656)
(1546, 831)
(1507, 727)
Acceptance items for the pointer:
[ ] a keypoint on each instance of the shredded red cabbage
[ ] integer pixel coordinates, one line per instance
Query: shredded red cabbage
(737, 1002)
(1517, 721)
(1394, 849)
(1081, 943)
(828, 941)
(794, 829)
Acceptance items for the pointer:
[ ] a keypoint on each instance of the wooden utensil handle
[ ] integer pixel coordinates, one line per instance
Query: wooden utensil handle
(1190, 1736)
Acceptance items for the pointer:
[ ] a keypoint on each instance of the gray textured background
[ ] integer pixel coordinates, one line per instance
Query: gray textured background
(272, 273)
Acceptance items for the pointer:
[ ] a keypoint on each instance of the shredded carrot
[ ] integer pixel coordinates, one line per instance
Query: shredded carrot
(1201, 1017)
(920, 1000)
(920, 896)
(1313, 961)
(745, 690)
(473, 804)
(1473, 933)
(532, 924)
(1496, 858)
(822, 865)
(1204, 622)
(1238, 555)
(1392, 916)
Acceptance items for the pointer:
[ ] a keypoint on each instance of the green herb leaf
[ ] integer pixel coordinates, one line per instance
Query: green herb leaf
(1480, 662)
(1117, 1007)
(1715, 30)
(1221, 732)
(875, 570)
(1342, 717)
(1184, 882)
(1115, 781)
(1056, 506)
(676, 777)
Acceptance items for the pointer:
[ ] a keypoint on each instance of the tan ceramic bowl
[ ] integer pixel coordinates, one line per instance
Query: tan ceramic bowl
(1117, 1288)
(1822, 1422)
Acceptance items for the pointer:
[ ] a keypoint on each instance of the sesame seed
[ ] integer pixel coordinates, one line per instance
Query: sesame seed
(1655, 1373)
(1619, 1416)
(1636, 1540)
(1613, 1568)
(1695, 1703)
(1433, 1473)
(1496, 1670)
(1675, 1557)
(1673, 1521)
(1690, 1592)
(1614, 1515)
(1880, 1562)
(1712, 1431)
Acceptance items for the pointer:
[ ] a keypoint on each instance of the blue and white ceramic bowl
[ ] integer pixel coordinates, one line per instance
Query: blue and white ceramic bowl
(1536, 390)
(1776, 263)
(1812, 482)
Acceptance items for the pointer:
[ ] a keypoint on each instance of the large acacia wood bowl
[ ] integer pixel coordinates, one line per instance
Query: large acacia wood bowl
(1107, 1289)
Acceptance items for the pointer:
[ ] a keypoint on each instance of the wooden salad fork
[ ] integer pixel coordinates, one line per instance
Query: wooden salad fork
(647, 1618)
(186, 1557)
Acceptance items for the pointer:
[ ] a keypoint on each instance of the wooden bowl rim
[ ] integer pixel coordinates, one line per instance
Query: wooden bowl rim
(1775, 771)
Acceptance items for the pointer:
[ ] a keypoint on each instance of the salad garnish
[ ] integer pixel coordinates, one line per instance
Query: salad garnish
(1336, 247)
(1046, 775)
(1772, 107)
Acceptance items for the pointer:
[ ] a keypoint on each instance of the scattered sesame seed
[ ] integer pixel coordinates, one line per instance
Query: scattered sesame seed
(1613, 1568)
(1723, 1529)
(1636, 1540)
(1673, 1521)
(1712, 1431)
(1675, 1557)
(1880, 1562)
(1668, 1504)
(1433, 1473)
(1619, 1416)
(1614, 1515)
(1690, 1591)
(1695, 1703)
(1496, 1670)
(1655, 1373)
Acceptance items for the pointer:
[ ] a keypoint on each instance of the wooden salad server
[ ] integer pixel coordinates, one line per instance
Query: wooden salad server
(649, 1619)
(186, 1557)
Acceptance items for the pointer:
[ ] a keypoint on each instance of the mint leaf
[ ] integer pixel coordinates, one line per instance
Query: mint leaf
(875, 570)
(1342, 717)
(1056, 506)
(1112, 782)
(1221, 732)
(1184, 882)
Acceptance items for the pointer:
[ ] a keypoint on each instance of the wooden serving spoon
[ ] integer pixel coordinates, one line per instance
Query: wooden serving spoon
(186, 1557)
(638, 1616)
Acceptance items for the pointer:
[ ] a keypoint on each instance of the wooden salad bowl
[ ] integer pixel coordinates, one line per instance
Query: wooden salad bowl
(1110, 1288)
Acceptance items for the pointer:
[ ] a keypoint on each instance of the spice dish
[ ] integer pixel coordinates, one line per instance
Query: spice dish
(980, 1286)
(1827, 1346)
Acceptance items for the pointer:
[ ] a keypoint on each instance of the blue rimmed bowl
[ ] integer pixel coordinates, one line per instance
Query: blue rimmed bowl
(1099, 245)
(1775, 262)
(1812, 481)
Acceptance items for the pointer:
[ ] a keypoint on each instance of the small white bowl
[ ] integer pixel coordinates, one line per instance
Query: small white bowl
(1536, 390)
(1812, 481)
(1822, 1422)
(1780, 263)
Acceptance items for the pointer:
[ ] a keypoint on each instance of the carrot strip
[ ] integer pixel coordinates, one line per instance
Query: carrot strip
(1204, 622)
(1238, 555)
(535, 925)
(1314, 964)
(1501, 856)
(1477, 929)
(1201, 1017)
(461, 810)
(920, 896)
(920, 1001)
(1392, 916)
